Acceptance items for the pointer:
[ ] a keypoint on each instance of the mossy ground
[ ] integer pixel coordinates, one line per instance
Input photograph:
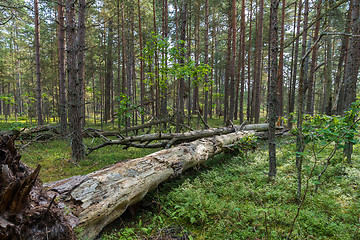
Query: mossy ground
(230, 197)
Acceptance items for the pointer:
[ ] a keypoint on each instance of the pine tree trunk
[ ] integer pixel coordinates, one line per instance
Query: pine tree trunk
(342, 58)
(81, 58)
(180, 97)
(109, 73)
(206, 61)
(280, 82)
(295, 62)
(300, 145)
(347, 93)
(258, 62)
(272, 86)
(37, 63)
(249, 92)
(164, 85)
(75, 85)
(232, 85)
(311, 80)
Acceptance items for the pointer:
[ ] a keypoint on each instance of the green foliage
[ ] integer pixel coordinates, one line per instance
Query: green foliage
(338, 129)
(170, 66)
(19, 126)
(125, 109)
(245, 144)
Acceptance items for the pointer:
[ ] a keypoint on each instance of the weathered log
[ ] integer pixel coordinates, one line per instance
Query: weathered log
(102, 196)
(26, 211)
(170, 139)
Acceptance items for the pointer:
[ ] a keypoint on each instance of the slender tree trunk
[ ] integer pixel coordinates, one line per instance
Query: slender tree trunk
(132, 82)
(258, 62)
(197, 55)
(180, 110)
(157, 90)
(249, 92)
(232, 86)
(62, 70)
(241, 68)
(123, 52)
(228, 69)
(189, 83)
(164, 86)
(210, 107)
(280, 82)
(294, 72)
(142, 90)
(300, 145)
(327, 104)
(74, 90)
(272, 86)
(347, 93)
(342, 58)
(109, 73)
(37, 63)
(81, 58)
(311, 80)
(206, 60)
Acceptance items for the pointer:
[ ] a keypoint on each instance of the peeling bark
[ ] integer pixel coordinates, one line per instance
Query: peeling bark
(102, 196)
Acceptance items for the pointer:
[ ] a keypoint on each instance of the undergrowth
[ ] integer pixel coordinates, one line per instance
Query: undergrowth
(232, 198)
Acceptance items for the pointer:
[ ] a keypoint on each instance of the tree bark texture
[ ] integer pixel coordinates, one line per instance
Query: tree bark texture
(75, 84)
(258, 63)
(109, 73)
(206, 61)
(347, 93)
(180, 97)
(273, 106)
(37, 63)
(62, 69)
(310, 82)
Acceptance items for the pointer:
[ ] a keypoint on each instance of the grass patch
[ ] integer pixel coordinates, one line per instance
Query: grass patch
(232, 198)
(55, 158)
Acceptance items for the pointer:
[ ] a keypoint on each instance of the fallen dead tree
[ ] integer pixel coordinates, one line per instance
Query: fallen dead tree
(48, 132)
(90, 132)
(26, 211)
(102, 196)
(167, 140)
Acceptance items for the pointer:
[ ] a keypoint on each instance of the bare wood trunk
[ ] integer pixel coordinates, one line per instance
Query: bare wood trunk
(102, 196)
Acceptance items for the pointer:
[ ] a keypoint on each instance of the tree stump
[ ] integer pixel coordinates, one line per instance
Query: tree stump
(26, 211)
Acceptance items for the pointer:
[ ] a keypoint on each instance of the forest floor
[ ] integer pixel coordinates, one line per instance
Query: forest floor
(230, 197)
